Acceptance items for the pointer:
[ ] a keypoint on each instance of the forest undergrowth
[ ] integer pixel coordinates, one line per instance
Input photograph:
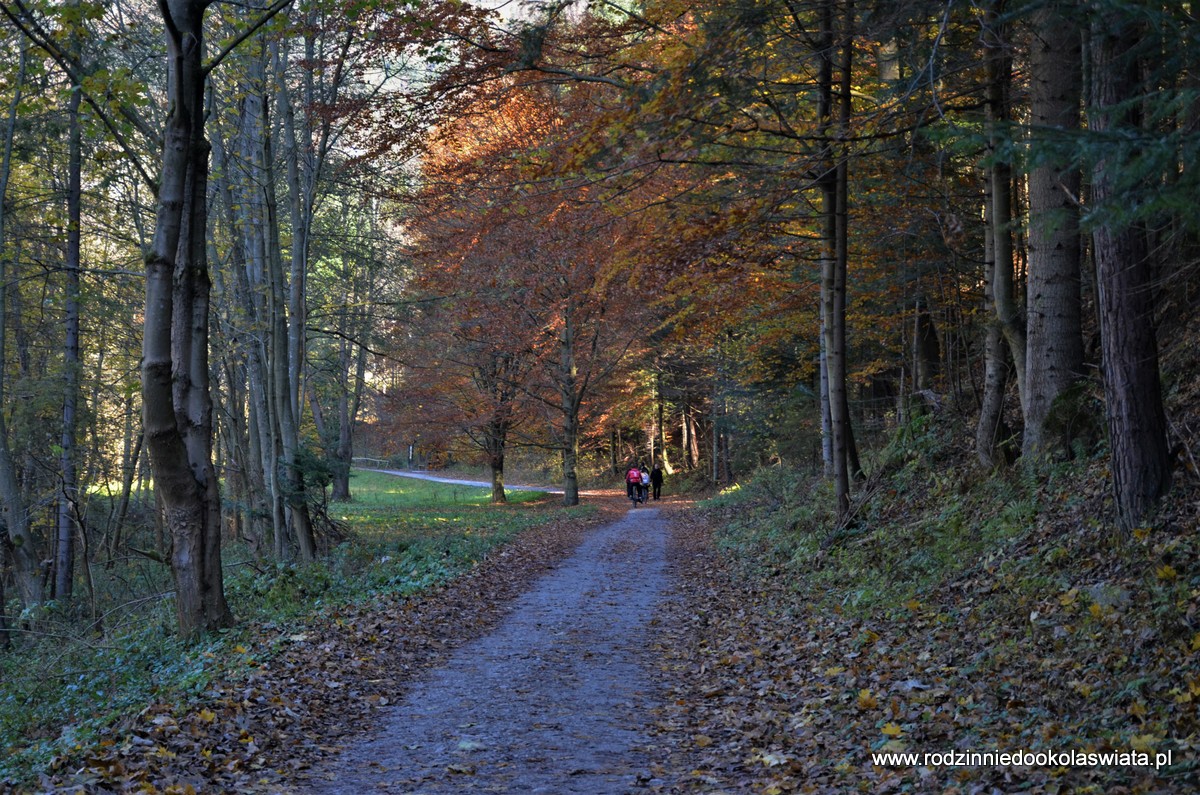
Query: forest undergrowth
(315, 649)
(957, 611)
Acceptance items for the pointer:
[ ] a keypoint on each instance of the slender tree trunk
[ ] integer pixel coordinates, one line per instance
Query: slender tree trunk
(5, 639)
(716, 438)
(246, 255)
(299, 204)
(1129, 348)
(834, 193)
(1053, 312)
(352, 372)
(15, 534)
(685, 434)
(129, 469)
(344, 451)
(826, 418)
(283, 396)
(926, 350)
(496, 434)
(991, 431)
(64, 551)
(569, 394)
(662, 432)
(1004, 299)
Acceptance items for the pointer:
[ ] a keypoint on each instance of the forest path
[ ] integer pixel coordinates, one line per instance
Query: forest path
(556, 699)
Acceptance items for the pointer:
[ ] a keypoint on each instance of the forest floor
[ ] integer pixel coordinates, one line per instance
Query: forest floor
(627, 653)
(530, 673)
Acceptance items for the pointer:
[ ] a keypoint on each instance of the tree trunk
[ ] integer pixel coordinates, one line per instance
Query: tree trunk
(1004, 298)
(15, 535)
(5, 640)
(352, 372)
(246, 255)
(299, 209)
(826, 418)
(991, 431)
(569, 394)
(496, 438)
(283, 396)
(834, 194)
(662, 427)
(64, 549)
(129, 470)
(1053, 313)
(926, 350)
(175, 375)
(1129, 347)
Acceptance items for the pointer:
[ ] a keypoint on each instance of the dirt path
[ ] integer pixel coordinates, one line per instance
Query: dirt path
(556, 699)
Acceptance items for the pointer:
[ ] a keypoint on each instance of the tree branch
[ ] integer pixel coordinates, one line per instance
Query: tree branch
(267, 16)
(25, 22)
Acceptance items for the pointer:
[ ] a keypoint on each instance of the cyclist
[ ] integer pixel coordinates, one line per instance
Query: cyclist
(633, 483)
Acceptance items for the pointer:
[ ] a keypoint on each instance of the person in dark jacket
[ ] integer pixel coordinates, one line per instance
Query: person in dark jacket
(656, 478)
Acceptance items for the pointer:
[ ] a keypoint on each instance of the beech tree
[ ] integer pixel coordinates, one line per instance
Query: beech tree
(177, 404)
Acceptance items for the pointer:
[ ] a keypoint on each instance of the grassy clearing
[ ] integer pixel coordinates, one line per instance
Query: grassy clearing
(66, 684)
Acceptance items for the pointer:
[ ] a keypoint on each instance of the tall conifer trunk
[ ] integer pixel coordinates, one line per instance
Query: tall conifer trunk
(1055, 333)
(1137, 425)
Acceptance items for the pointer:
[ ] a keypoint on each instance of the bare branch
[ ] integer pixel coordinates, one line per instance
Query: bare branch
(267, 16)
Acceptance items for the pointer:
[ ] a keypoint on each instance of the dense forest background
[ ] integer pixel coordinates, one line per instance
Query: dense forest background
(242, 247)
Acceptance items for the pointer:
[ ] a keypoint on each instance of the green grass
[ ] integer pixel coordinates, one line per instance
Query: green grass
(916, 530)
(64, 685)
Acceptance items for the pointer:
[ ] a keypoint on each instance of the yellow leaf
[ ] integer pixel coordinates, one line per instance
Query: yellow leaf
(1166, 572)
(834, 671)
(1141, 533)
(866, 700)
(1068, 597)
(913, 604)
(240, 649)
(772, 759)
(892, 730)
(703, 740)
(1196, 642)
(207, 715)
(1137, 709)
(1143, 742)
